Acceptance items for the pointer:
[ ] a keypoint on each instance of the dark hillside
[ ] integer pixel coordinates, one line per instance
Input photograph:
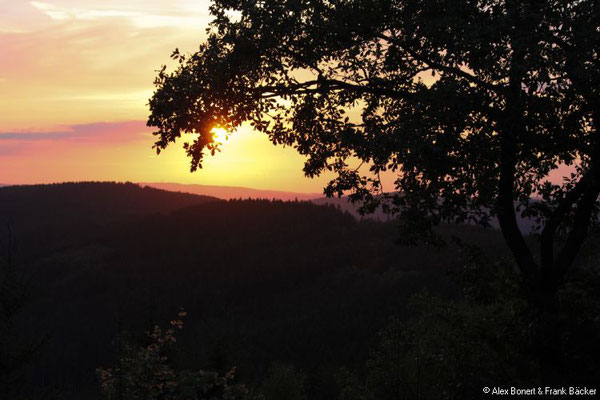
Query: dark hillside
(47, 215)
(262, 281)
(92, 201)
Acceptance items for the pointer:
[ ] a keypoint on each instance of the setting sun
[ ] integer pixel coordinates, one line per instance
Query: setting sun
(220, 135)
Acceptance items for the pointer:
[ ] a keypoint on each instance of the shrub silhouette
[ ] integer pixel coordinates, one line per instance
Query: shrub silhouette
(452, 348)
(284, 382)
(143, 372)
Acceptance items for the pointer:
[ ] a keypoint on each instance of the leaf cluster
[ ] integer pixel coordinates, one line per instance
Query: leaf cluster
(144, 372)
(424, 89)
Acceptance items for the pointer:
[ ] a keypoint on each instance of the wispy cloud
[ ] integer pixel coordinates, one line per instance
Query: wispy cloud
(141, 16)
(88, 60)
(66, 64)
(117, 132)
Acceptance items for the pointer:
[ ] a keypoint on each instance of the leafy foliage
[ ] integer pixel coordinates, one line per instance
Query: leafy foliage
(143, 372)
(452, 348)
(284, 382)
(450, 351)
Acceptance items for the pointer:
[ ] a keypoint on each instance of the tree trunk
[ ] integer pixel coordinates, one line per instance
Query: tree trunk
(547, 346)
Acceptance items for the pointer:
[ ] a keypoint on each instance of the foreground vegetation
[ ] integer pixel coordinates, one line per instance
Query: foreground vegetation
(279, 298)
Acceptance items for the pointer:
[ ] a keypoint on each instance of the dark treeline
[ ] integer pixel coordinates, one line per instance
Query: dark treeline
(264, 283)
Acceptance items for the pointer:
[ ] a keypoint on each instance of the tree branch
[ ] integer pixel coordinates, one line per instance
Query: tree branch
(512, 127)
(445, 68)
(549, 231)
(576, 238)
(324, 85)
(590, 190)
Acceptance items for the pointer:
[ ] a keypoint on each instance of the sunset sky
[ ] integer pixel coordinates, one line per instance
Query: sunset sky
(75, 78)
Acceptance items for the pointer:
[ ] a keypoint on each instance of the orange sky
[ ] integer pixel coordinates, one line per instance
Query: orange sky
(75, 78)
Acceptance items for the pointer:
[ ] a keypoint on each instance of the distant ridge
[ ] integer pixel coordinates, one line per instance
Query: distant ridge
(237, 192)
(98, 202)
(231, 192)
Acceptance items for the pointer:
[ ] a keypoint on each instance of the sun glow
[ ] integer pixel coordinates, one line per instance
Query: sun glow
(75, 79)
(220, 135)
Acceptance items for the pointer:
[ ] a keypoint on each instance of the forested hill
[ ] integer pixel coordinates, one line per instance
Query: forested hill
(92, 201)
(69, 213)
(262, 281)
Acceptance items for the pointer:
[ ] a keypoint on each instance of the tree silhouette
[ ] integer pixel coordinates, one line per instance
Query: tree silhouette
(144, 371)
(471, 103)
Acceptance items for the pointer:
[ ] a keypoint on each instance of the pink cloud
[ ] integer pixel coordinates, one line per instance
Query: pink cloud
(97, 132)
